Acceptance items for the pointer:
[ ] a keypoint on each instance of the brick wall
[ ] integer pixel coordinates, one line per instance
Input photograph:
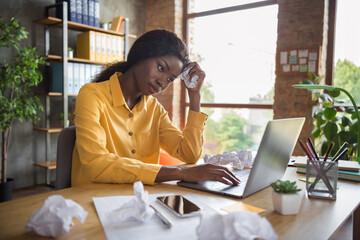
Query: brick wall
(167, 14)
(301, 23)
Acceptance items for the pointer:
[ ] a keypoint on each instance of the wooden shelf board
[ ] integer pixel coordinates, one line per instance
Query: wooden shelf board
(48, 165)
(52, 94)
(50, 130)
(80, 60)
(78, 26)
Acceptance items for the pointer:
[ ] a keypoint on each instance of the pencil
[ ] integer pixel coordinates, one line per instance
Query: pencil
(340, 150)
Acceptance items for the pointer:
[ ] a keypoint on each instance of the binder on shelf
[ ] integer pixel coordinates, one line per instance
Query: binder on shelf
(91, 6)
(78, 11)
(76, 85)
(119, 49)
(70, 78)
(85, 45)
(113, 48)
(71, 10)
(108, 48)
(85, 12)
(103, 48)
(57, 78)
(98, 55)
(87, 73)
(96, 13)
(81, 75)
(116, 23)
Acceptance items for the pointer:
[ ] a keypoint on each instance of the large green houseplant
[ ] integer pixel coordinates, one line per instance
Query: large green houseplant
(333, 124)
(17, 77)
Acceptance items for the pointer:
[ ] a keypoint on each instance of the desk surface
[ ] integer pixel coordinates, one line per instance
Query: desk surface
(318, 219)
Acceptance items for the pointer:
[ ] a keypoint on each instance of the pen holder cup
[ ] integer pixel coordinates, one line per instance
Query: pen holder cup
(321, 179)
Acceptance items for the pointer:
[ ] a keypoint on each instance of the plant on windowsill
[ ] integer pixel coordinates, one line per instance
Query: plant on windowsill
(329, 126)
(286, 197)
(60, 117)
(70, 52)
(17, 100)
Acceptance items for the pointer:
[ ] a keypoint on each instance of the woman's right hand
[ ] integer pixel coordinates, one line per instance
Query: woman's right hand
(207, 172)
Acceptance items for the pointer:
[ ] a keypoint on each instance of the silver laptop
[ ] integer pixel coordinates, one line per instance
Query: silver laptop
(270, 163)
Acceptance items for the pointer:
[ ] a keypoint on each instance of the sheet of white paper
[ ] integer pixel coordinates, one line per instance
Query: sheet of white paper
(283, 57)
(182, 228)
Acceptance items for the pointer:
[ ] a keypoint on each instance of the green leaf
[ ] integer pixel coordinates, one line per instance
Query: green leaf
(334, 93)
(306, 81)
(330, 113)
(316, 132)
(345, 121)
(330, 130)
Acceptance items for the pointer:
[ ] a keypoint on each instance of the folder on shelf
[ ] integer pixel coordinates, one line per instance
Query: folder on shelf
(81, 75)
(76, 85)
(87, 73)
(85, 45)
(113, 48)
(71, 10)
(116, 23)
(96, 13)
(103, 48)
(78, 11)
(91, 5)
(119, 49)
(57, 78)
(70, 80)
(108, 48)
(98, 55)
(85, 12)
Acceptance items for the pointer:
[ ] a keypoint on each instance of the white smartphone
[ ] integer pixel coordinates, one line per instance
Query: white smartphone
(179, 205)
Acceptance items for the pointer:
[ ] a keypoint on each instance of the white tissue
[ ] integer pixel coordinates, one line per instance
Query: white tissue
(54, 218)
(137, 209)
(238, 160)
(234, 226)
(190, 83)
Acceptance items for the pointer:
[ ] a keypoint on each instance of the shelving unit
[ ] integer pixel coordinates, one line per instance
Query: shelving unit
(49, 22)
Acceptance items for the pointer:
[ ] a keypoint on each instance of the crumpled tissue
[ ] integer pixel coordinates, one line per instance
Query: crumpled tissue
(234, 226)
(137, 209)
(190, 83)
(238, 160)
(54, 218)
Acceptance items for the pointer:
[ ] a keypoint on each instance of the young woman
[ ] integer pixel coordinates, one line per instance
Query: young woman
(120, 127)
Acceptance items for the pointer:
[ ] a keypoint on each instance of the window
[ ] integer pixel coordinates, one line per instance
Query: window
(346, 63)
(235, 45)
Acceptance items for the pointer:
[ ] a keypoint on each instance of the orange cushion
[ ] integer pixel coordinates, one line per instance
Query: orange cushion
(167, 160)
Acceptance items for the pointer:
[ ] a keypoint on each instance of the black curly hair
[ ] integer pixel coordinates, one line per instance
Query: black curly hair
(154, 43)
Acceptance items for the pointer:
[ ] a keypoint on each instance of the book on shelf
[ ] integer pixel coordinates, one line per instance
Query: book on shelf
(344, 175)
(85, 12)
(85, 45)
(98, 55)
(91, 5)
(103, 48)
(96, 13)
(78, 11)
(71, 10)
(116, 23)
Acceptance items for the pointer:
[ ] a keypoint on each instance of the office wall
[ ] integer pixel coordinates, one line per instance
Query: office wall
(23, 140)
(301, 24)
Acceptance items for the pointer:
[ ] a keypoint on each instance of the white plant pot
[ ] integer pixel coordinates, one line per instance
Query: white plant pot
(70, 54)
(287, 204)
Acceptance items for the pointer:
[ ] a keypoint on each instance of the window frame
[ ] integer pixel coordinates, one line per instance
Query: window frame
(187, 16)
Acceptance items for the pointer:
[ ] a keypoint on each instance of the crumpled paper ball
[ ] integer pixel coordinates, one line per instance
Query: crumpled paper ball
(54, 218)
(190, 83)
(234, 226)
(137, 209)
(238, 160)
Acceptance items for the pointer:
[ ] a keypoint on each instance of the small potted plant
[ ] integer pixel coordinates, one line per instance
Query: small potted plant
(104, 25)
(70, 52)
(286, 197)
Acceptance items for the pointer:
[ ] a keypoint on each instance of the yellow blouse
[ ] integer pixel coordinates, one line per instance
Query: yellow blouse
(117, 145)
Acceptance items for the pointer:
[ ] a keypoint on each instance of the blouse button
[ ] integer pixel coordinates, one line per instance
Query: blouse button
(131, 133)
(131, 115)
(133, 151)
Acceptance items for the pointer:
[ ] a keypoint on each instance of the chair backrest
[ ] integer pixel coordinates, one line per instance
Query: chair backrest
(65, 146)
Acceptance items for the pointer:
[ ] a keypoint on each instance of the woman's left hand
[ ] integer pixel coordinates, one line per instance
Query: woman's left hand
(195, 71)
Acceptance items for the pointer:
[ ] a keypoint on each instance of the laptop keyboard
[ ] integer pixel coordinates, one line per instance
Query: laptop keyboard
(243, 175)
